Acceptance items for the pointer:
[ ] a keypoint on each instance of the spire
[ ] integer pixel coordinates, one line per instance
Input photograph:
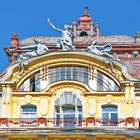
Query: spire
(74, 23)
(86, 11)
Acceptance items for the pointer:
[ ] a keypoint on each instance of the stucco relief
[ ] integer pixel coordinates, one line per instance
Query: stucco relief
(92, 106)
(28, 99)
(43, 106)
(109, 99)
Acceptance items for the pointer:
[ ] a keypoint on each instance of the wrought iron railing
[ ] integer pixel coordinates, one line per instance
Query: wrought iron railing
(84, 123)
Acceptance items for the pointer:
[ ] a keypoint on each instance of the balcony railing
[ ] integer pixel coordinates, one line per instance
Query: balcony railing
(84, 123)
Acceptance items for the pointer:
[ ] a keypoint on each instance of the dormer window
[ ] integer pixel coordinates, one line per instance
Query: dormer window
(83, 33)
(135, 54)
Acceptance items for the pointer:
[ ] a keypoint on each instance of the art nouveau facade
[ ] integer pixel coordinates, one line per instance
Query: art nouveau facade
(72, 94)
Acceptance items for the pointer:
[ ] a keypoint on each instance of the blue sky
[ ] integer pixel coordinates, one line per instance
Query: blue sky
(29, 18)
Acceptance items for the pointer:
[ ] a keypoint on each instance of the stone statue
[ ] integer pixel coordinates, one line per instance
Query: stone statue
(100, 50)
(36, 50)
(66, 42)
(103, 51)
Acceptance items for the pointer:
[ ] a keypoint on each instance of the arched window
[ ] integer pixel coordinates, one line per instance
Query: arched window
(83, 33)
(28, 111)
(68, 109)
(110, 114)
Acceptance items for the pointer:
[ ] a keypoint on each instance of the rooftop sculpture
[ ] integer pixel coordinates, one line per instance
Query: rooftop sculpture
(36, 50)
(103, 51)
(100, 50)
(66, 41)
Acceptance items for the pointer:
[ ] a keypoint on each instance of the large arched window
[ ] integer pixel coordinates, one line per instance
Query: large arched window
(110, 114)
(97, 81)
(68, 110)
(28, 111)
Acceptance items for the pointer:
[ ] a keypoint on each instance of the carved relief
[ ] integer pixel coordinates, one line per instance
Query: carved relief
(28, 99)
(109, 99)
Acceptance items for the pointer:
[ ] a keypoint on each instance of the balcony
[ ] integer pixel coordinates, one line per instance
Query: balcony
(61, 124)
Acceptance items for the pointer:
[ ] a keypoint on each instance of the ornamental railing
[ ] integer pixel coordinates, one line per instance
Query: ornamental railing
(84, 123)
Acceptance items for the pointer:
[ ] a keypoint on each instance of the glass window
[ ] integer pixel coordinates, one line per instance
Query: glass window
(100, 82)
(32, 83)
(86, 76)
(110, 115)
(37, 82)
(105, 83)
(63, 73)
(69, 110)
(28, 111)
(69, 73)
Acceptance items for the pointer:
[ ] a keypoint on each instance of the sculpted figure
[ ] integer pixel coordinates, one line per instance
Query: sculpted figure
(103, 51)
(100, 50)
(66, 42)
(36, 50)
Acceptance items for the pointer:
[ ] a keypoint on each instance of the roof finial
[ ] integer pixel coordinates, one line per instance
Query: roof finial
(74, 22)
(86, 11)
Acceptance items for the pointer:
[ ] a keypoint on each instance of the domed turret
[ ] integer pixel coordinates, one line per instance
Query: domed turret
(85, 25)
(84, 21)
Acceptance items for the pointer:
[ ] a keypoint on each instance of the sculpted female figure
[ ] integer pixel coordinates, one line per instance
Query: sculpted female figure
(66, 42)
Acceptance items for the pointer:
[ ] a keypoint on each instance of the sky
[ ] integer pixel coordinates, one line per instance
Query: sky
(28, 18)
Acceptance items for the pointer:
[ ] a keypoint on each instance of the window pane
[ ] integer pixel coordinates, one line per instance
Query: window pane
(79, 119)
(57, 75)
(58, 119)
(29, 109)
(79, 109)
(114, 118)
(100, 82)
(25, 115)
(37, 82)
(68, 73)
(57, 109)
(32, 84)
(85, 76)
(109, 108)
(33, 115)
(69, 120)
(75, 72)
(63, 73)
(68, 110)
(105, 116)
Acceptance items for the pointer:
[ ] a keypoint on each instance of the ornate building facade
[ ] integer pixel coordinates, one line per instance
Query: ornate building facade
(80, 86)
